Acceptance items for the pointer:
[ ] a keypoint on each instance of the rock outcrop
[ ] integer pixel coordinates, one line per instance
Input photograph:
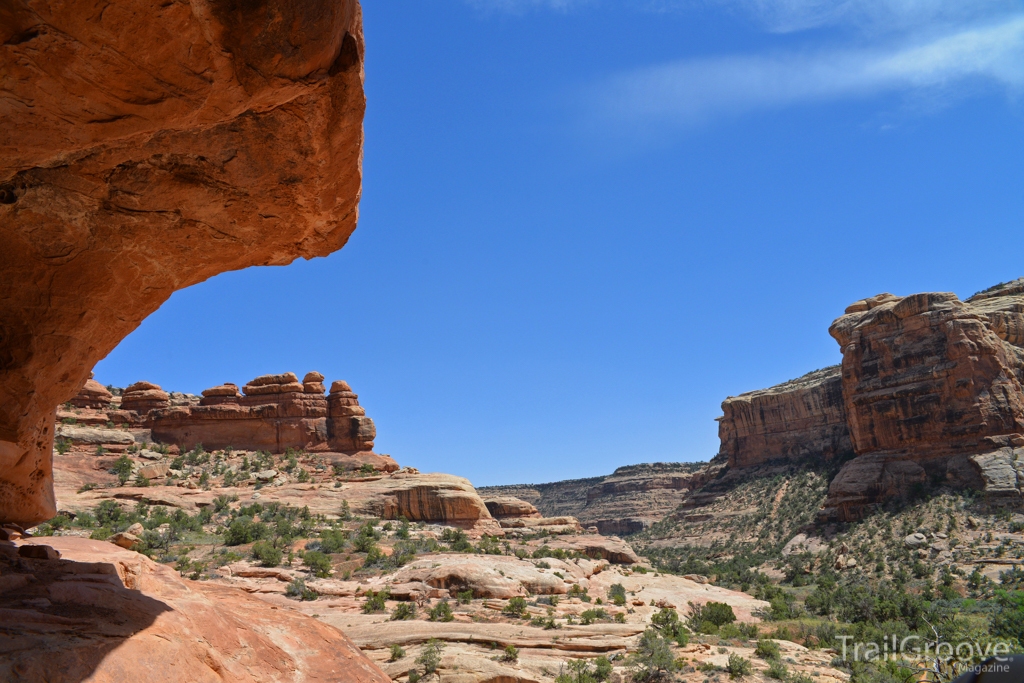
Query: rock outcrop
(276, 412)
(933, 393)
(504, 507)
(92, 395)
(94, 611)
(145, 149)
(143, 397)
(418, 497)
(800, 418)
(929, 391)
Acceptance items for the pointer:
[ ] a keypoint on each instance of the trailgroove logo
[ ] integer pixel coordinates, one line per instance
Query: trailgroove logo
(917, 648)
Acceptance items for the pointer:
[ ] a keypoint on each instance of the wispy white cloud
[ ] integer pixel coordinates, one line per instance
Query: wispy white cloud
(875, 15)
(691, 91)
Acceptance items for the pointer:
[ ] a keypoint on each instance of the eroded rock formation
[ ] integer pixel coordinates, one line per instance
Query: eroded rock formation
(929, 391)
(143, 397)
(145, 149)
(800, 418)
(92, 395)
(276, 412)
(932, 388)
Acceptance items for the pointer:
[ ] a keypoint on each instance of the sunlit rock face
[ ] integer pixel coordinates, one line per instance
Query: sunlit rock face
(800, 418)
(273, 413)
(929, 391)
(932, 388)
(146, 148)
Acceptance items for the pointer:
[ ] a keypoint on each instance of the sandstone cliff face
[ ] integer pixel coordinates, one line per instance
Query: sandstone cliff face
(145, 149)
(800, 418)
(929, 381)
(929, 391)
(276, 412)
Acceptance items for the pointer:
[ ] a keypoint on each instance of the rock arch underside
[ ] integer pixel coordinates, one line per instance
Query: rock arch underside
(145, 149)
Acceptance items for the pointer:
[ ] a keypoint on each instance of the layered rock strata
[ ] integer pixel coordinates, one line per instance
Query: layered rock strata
(933, 393)
(145, 149)
(627, 501)
(272, 413)
(929, 391)
(92, 395)
(800, 418)
(143, 397)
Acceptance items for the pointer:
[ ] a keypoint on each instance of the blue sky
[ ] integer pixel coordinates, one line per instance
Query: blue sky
(586, 222)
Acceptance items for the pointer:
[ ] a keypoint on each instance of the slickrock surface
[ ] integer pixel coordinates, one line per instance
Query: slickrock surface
(799, 418)
(598, 547)
(145, 149)
(494, 576)
(276, 413)
(107, 614)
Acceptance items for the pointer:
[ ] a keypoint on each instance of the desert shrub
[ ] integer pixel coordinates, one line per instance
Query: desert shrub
(376, 602)
(318, 563)
(777, 670)
(708, 617)
(430, 657)
(767, 649)
(396, 653)
(510, 654)
(653, 657)
(515, 607)
(465, 597)
(667, 622)
(366, 538)
(738, 666)
(617, 594)
(442, 611)
(403, 611)
(266, 554)
(245, 530)
(457, 540)
(62, 445)
(123, 469)
(298, 589)
(403, 529)
(589, 616)
(333, 540)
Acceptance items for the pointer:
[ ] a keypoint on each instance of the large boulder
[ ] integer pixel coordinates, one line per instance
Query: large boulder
(105, 614)
(145, 149)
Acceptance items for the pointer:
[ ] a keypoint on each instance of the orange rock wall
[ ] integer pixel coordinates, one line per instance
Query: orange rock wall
(146, 148)
(801, 418)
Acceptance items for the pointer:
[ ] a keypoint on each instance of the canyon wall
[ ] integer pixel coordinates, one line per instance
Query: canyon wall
(627, 501)
(146, 148)
(929, 392)
(800, 418)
